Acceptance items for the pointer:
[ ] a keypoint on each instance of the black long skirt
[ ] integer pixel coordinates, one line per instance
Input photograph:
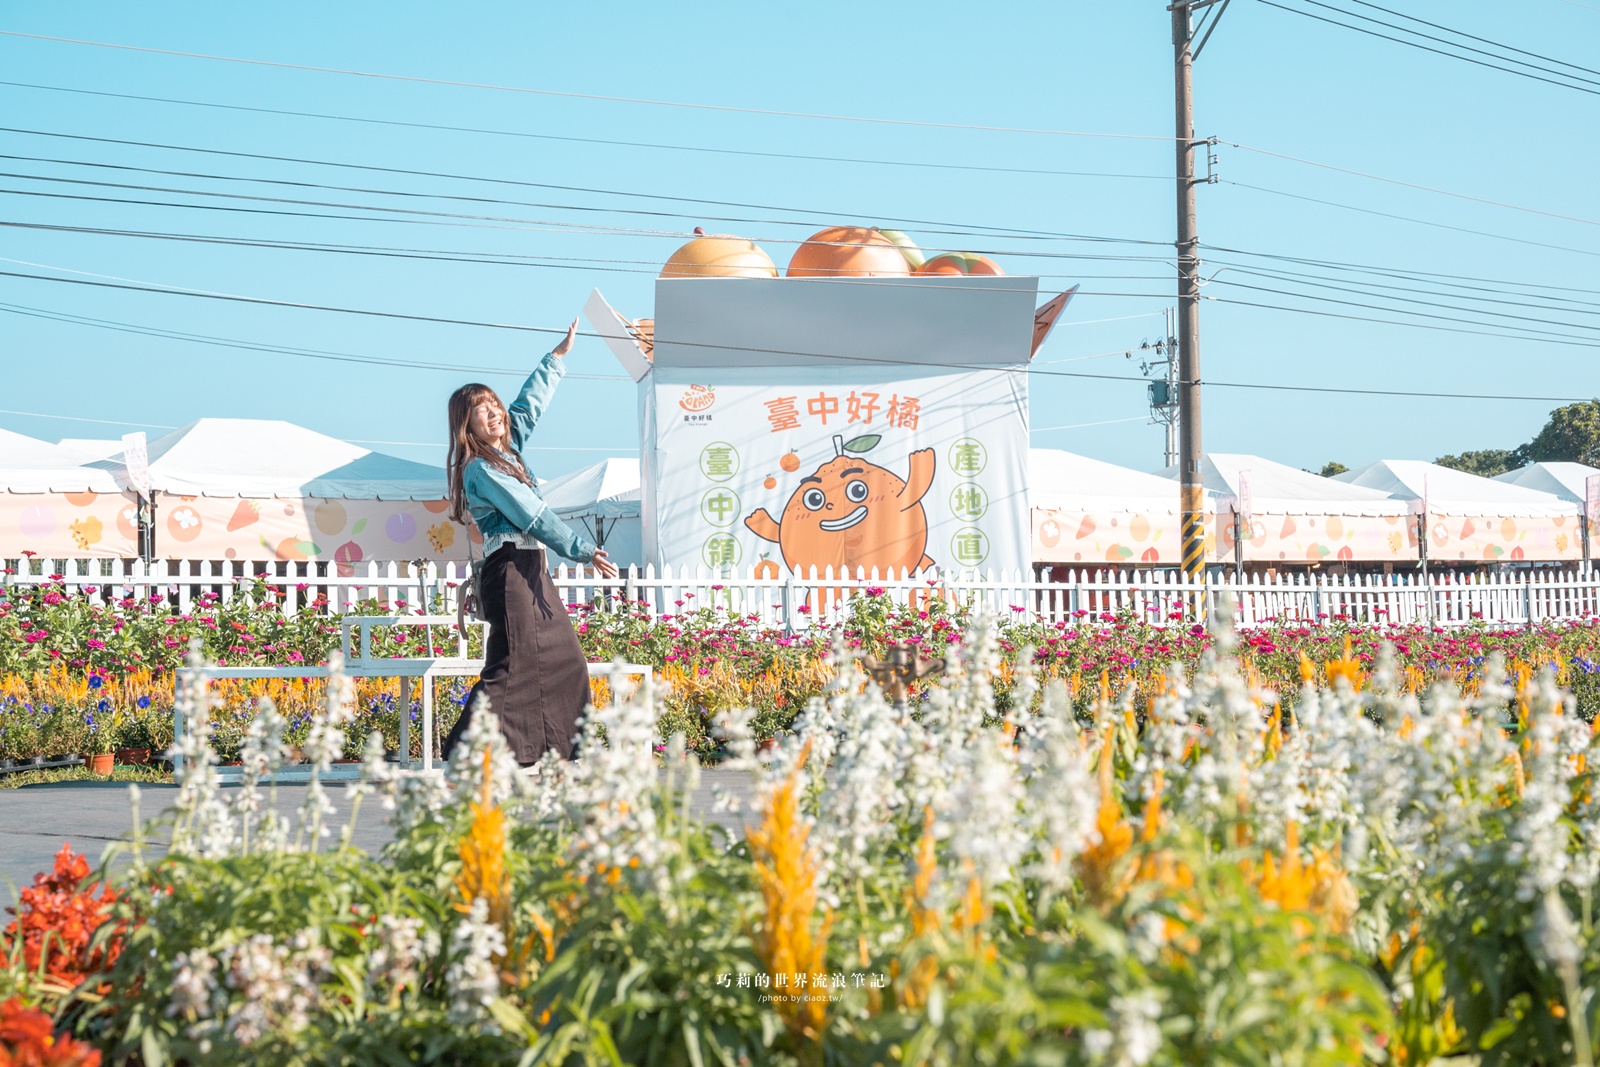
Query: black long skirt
(534, 673)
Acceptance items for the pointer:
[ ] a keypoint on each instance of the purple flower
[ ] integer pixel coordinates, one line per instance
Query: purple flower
(95, 681)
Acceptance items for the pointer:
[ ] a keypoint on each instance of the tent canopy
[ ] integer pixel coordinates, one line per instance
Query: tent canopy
(271, 458)
(28, 465)
(1565, 480)
(1454, 492)
(91, 448)
(608, 489)
(1277, 489)
(1066, 481)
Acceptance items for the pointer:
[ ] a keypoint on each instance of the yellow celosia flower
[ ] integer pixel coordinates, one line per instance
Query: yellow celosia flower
(1097, 863)
(1320, 887)
(1346, 667)
(483, 857)
(786, 869)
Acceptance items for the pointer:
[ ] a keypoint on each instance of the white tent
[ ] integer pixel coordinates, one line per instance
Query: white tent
(1298, 517)
(1565, 480)
(28, 465)
(1065, 480)
(1452, 491)
(91, 448)
(1475, 519)
(268, 457)
(53, 506)
(262, 489)
(1283, 490)
(603, 499)
(1087, 511)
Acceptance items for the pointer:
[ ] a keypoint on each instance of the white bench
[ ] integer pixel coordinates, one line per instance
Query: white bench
(364, 665)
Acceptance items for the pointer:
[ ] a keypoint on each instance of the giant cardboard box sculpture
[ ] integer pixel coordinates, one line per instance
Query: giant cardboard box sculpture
(860, 424)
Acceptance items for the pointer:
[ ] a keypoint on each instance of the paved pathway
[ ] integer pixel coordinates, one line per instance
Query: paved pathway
(36, 819)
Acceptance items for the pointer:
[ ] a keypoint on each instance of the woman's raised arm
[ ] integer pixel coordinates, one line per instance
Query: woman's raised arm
(529, 407)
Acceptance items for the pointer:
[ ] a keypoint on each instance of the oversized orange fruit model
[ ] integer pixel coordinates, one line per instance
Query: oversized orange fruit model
(719, 256)
(848, 252)
(851, 513)
(961, 263)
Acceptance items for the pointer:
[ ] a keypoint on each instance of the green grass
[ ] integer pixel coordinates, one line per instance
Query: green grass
(120, 773)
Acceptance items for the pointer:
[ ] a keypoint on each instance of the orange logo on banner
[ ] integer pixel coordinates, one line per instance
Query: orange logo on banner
(698, 398)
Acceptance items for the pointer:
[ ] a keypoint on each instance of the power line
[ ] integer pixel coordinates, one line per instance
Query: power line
(815, 355)
(1399, 272)
(1473, 37)
(1364, 286)
(921, 164)
(1575, 343)
(275, 349)
(80, 418)
(1417, 221)
(1551, 335)
(1498, 330)
(570, 224)
(587, 263)
(1408, 185)
(1085, 425)
(1425, 48)
(775, 155)
(586, 96)
(964, 229)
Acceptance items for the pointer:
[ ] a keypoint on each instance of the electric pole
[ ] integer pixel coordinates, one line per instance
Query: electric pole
(1192, 494)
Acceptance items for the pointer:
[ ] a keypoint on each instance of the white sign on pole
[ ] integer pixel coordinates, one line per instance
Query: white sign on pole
(136, 458)
(859, 425)
(1243, 500)
(1591, 498)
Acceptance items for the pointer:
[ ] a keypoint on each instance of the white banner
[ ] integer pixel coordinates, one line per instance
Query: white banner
(843, 468)
(136, 458)
(792, 424)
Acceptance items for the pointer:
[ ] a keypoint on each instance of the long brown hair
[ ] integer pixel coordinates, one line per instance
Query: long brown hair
(466, 446)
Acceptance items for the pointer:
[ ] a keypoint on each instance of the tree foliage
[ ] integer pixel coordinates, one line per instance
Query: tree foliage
(1486, 462)
(1570, 435)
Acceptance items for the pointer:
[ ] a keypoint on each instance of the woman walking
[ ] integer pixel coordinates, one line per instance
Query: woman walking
(534, 672)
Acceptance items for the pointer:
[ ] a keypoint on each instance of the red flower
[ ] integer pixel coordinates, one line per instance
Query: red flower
(57, 917)
(28, 1039)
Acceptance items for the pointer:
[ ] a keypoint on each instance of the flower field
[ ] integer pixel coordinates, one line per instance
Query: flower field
(77, 677)
(1379, 875)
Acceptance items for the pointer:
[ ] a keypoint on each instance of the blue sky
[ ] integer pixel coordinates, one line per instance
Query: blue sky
(1268, 79)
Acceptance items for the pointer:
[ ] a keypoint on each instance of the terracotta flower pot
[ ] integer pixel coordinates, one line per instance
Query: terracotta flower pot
(133, 757)
(101, 762)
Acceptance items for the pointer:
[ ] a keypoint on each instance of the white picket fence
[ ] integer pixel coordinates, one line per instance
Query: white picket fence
(794, 603)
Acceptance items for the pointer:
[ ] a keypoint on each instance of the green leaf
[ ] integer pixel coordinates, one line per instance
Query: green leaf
(310, 548)
(865, 443)
(361, 524)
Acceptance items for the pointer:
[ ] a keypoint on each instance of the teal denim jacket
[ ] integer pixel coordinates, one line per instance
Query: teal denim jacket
(506, 510)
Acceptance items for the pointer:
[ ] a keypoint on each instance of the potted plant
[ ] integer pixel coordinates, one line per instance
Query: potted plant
(63, 734)
(134, 740)
(24, 744)
(100, 741)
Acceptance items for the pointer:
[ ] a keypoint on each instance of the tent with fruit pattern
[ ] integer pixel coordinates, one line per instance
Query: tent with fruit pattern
(1087, 511)
(1477, 520)
(263, 489)
(53, 506)
(1287, 515)
(603, 500)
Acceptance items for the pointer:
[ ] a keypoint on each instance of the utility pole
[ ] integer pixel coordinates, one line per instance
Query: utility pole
(1192, 496)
